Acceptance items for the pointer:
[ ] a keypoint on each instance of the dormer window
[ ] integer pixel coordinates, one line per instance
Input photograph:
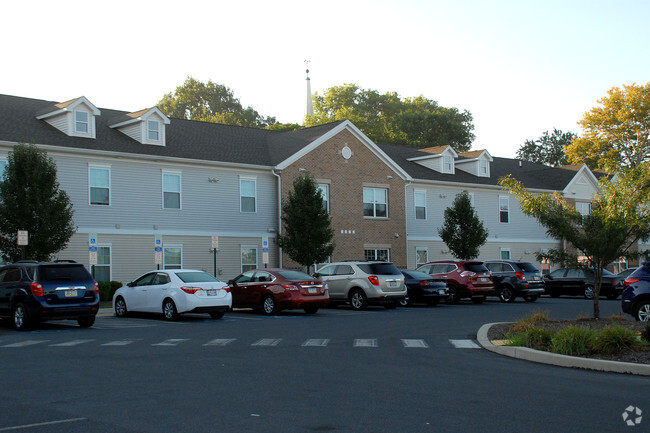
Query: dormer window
(483, 167)
(81, 122)
(447, 164)
(153, 130)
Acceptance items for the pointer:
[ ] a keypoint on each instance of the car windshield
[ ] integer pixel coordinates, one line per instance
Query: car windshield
(379, 268)
(63, 273)
(295, 276)
(196, 277)
(476, 267)
(527, 267)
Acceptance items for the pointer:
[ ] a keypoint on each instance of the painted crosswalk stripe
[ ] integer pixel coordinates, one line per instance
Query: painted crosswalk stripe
(71, 343)
(220, 342)
(171, 342)
(464, 344)
(118, 343)
(414, 343)
(26, 343)
(316, 342)
(267, 342)
(365, 342)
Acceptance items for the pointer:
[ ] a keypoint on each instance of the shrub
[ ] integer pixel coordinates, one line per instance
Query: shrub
(107, 289)
(645, 334)
(573, 340)
(535, 338)
(530, 321)
(614, 339)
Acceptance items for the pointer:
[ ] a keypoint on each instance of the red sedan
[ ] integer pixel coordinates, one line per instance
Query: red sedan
(271, 290)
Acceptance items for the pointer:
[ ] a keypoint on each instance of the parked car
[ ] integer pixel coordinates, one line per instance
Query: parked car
(636, 293)
(465, 279)
(32, 292)
(570, 281)
(515, 278)
(626, 273)
(173, 292)
(363, 283)
(272, 290)
(421, 287)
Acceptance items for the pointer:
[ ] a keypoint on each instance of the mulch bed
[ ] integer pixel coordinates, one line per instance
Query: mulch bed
(639, 356)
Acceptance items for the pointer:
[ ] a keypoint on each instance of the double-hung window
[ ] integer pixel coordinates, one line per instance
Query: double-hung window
(421, 256)
(247, 195)
(375, 202)
(420, 199)
(81, 122)
(248, 258)
(504, 209)
(172, 257)
(324, 189)
(483, 167)
(447, 164)
(583, 208)
(171, 190)
(100, 185)
(102, 270)
(153, 130)
(505, 253)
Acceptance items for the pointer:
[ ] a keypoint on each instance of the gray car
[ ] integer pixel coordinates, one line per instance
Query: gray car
(363, 283)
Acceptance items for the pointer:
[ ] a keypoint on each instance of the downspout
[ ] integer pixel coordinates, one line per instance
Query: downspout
(406, 226)
(279, 231)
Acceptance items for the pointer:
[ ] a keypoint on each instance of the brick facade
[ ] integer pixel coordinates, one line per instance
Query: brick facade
(353, 233)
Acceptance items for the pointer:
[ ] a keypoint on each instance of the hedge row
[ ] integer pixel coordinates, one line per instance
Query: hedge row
(107, 289)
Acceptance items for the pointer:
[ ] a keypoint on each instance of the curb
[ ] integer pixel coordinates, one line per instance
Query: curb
(559, 360)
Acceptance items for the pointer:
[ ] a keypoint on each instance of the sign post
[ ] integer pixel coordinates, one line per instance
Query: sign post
(215, 248)
(158, 251)
(22, 240)
(92, 249)
(265, 250)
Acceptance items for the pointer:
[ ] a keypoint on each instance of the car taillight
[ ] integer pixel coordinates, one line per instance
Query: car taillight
(424, 282)
(191, 290)
(629, 281)
(36, 288)
(226, 288)
(290, 287)
(96, 288)
(374, 280)
(466, 274)
(520, 276)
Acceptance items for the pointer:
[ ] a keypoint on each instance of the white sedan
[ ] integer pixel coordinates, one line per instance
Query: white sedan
(172, 292)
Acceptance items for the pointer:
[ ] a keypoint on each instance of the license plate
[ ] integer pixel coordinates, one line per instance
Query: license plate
(70, 293)
(313, 290)
(393, 284)
(484, 279)
(441, 292)
(212, 292)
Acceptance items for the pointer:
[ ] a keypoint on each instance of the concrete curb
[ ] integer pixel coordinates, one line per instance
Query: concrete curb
(559, 360)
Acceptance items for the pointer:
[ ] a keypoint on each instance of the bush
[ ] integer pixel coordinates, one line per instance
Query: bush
(614, 339)
(107, 289)
(534, 338)
(645, 334)
(573, 340)
(527, 322)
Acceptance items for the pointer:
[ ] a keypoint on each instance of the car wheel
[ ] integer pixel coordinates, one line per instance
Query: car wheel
(478, 299)
(506, 294)
(169, 310)
(86, 321)
(217, 314)
(530, 298)
(268, 305)
(589, 292)
(406, 302)
(358, 300)
(120, 307)
(21, 319)
(433, 302)
(642, 312)
(453, 296)
(310, 310)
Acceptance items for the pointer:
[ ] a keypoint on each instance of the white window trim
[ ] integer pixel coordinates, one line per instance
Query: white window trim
(253, 179)
(483, 163)
(415, 206)
(75, 122)
(426, 252)
(580, 205)
(166, 246)
(241, 256)
(376, 249)
(180, 186)
(444, 164)
(374, 209)
(507, 198)
(158, 131)
(110, 183)
(505, 250)
(110, 260)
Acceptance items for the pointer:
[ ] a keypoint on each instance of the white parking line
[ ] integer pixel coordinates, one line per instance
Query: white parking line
(220, 342)
(24, 426)
(414, 343)
(365, 342)
(171, 342)
(71, 343)
(316, 342)
(26, 343)
(119, 343)
(464, 344)
(267, 342)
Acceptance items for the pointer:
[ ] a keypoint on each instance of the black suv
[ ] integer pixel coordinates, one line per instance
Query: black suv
(513, 278)
(31, 292)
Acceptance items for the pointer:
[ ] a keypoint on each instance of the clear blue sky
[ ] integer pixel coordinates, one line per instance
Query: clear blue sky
(520, 67)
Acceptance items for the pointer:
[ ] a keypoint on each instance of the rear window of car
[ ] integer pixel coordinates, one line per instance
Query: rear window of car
(63, 273)
(416, 274)
(295, 275)
(196, 277)
(527, 267)
(475, 267)
(379, 268)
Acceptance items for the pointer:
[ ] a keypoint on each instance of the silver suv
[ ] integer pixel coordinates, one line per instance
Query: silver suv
(363, 283)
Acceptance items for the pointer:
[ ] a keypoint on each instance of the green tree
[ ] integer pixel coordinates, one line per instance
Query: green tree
(462, 230)
(616, 133)
(210, 102)
(620, 217)
(547, 149)
(308, 234)
(386, 118)
(30, 199)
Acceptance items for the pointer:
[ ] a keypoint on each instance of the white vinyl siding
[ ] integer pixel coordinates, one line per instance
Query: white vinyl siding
(99, 185)
(171, 190)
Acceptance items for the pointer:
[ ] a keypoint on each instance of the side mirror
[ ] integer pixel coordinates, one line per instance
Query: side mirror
(316, 275)
(231, 283)
(131, 284)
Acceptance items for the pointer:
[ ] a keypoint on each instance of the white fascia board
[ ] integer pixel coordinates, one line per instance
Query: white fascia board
(126, 122)
(550, 241)
(359, 135)
(425, 182)
(155, 110)
(111, 230)
(421, 158)
(51, 114)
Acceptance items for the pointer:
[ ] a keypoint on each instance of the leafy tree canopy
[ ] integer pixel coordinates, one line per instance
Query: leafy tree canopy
(307, 236)
(616, 133)
(547, 149)
(210, 102)
(387, 118)
(462, 230)
(620, 216)
(30, 199)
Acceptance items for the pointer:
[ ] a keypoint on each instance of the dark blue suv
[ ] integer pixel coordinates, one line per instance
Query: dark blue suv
(636, 293)
(32, 292)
